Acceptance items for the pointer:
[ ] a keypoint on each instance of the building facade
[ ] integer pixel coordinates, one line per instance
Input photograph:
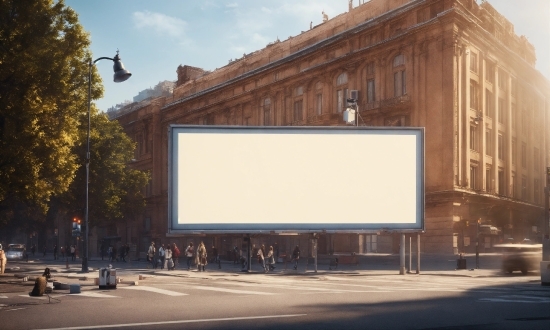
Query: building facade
(455, 67)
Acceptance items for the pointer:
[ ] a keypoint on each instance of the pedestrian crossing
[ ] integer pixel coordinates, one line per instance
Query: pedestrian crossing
(496, 290)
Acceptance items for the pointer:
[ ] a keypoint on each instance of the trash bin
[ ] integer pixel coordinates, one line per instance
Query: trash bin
(107, 278)
(461, 263)
(545, 272)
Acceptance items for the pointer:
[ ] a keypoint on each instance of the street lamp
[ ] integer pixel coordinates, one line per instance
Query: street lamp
(121, 74)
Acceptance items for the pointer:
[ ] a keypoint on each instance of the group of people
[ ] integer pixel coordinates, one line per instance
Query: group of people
(113, 254)
(166, 256)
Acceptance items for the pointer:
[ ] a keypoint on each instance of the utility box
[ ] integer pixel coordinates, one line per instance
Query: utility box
(107, 278)
(545, 273)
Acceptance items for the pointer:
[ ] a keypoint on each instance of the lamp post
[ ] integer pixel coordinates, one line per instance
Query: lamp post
(121, 74)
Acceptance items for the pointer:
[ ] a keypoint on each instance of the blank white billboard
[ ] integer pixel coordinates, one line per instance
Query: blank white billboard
(233, 179)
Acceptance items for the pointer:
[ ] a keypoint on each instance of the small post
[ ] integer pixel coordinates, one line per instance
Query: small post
(477, 243)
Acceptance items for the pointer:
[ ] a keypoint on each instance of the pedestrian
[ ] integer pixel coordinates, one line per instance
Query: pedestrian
(33, 249)
(123, 252)
(236, 255)
(55, 252)
(296, 256)
(175, 255)
(102, 251)
(110, 253)
(162, 255)
(73, 252)
(201, 255)
(44, 250)
(169, 263)
(151, 254)
(127, 251)
(260, 255)
(189, 251)
(62, 250)
(215, 256)
(270, 259)
(114, 258)
(3, 260)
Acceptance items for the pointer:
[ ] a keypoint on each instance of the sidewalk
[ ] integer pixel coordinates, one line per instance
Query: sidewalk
(367, 265)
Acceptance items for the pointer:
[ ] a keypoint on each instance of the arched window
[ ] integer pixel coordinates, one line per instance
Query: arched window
(399, 76)
(341, 91)
(267, 111)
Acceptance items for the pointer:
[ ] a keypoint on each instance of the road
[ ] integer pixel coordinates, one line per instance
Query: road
(228, 299)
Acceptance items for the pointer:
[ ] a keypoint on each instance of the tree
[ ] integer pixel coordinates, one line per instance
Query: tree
(115, 189)
(44, 54)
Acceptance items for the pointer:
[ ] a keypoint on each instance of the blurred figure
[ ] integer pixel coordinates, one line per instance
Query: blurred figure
(3, 260)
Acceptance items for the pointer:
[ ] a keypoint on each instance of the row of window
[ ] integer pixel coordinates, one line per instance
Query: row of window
(490, 70)
(501, 187)
(342, 92)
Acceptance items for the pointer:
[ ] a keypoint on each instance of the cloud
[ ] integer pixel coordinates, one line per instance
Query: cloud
(232, 5)
(161, 23)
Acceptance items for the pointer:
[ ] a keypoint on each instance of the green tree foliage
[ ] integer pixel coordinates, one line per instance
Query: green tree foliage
(115, 190)
(44, 59)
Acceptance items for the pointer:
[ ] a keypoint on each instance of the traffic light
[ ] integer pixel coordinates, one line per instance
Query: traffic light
(76, 227)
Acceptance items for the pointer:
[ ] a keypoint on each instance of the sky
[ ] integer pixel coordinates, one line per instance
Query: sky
(155, 37)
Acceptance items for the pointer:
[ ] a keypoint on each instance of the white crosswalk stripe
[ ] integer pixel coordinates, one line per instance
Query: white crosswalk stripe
(155, 290)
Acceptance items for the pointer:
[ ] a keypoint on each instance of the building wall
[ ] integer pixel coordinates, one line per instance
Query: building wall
(419, 55)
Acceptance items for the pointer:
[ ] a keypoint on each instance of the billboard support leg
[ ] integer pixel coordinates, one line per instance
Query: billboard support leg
(402, 255)
(249, 255)
(418, 253)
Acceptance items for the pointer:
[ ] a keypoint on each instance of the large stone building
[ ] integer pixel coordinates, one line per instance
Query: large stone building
(455, 67)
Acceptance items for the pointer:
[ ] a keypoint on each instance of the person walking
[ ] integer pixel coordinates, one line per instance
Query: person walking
(270, 259)
(169, 263)
(261, 258)
(73, 252)
(151, 254)
(189, 251)
(296, 256)
(44, 250)
(175, 255)
(33, 249)
(123, 252)
(62, 250)
(3, 260)
(55, 252)
(201, 254)
(161, 256)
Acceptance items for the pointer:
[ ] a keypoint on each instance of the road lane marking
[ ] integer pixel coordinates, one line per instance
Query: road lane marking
(3, 296)
(32, 297)
(211, 288)
(176, 322)
(156, 290)
(91, 295)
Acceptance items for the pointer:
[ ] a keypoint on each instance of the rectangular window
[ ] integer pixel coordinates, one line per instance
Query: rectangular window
(474, 96)
(500, 147)
(488, 142)
(502, 80)
(489, 72)
(399, 83)
(488, 178)
(319, 104)
(501, 182)
(473, 138)
(341, 95)
(370, 91)
(501, 110)
(298, 110)
(523, 155)
(473, 62)
(473, 176)
(489, 109)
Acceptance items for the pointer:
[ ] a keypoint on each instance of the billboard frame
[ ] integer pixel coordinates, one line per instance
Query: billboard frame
(175, 229)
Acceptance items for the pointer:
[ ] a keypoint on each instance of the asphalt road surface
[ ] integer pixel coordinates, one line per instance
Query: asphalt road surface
(215, 300)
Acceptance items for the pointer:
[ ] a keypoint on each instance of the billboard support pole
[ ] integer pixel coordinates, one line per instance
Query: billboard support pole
(249, 256)
(402, 255)
(418, 253)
